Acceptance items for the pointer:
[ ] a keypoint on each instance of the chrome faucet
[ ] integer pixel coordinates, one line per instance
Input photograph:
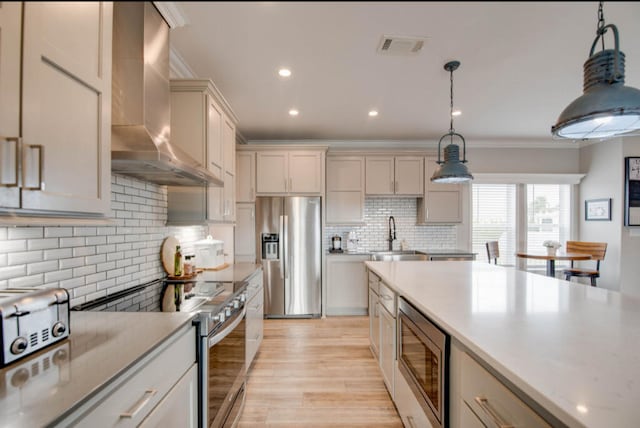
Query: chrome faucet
(392, 235)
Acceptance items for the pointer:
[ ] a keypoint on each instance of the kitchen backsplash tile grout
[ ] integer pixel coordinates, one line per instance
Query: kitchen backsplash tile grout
(92, 262)
(374, 233)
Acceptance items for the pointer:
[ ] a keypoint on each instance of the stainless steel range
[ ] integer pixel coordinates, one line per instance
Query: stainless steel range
(32, 320)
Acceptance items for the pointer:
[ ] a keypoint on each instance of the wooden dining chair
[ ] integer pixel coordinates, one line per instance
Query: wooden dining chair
(493, 251)
(596, 250)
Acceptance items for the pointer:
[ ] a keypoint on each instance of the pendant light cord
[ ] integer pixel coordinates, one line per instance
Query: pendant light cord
(451, 130)
(601, 27)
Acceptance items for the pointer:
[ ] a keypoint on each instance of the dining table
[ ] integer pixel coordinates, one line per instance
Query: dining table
(551, 258)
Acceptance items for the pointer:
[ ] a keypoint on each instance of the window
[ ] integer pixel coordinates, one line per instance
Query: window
(544, 214)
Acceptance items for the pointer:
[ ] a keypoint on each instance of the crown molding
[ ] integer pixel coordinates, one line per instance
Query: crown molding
(172, 13)
(336, 145)
(526, 178)
(178, 67)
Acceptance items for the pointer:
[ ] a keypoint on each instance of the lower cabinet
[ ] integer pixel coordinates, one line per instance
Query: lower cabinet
(255, 317)
(163, 384)
(347, 285)
(408, 406)
(387, 347)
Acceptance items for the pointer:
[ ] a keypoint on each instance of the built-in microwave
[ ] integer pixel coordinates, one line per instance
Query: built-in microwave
(423, 359)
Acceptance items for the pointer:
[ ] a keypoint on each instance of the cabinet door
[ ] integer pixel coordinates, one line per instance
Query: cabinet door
(245, 181)
(409, 176)
(229, 145)
(179, 408)
(305, 172)
(347, 285)
(387, 347)
(189, 123)
(66, 106)
(215, 157)
(374, 323)
(229, 197)
(345, 190)
(379, 175)
(407, 404)
(272, 172)
(442, 202)
(10, 28)
(245, 237)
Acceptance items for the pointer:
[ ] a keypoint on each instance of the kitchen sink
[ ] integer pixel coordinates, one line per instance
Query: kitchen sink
(387, 256)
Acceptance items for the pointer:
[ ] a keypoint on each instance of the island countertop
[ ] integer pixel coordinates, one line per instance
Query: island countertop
(47, 385)
(572, 348)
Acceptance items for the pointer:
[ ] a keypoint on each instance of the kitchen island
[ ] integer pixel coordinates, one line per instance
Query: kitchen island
(70, 378)
(571, 349)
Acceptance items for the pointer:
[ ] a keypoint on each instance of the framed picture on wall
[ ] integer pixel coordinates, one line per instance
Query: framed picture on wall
(632, 191)
(597, 209)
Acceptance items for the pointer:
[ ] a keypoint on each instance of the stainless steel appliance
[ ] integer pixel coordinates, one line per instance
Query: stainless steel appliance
(288, 240)
(423, 359)
(222, 350)
(31, 320)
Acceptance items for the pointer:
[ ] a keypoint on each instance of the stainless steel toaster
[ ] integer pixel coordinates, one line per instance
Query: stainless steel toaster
(32, 319)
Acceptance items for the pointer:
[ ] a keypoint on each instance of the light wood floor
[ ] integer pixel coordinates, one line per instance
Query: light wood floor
(317, 373)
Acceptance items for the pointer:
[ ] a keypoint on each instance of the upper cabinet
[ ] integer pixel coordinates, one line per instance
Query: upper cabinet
(204, 126)
(290, 172)
(442, 203)
(345, 189)
(246, 182)
(394, 175)
(57, 162)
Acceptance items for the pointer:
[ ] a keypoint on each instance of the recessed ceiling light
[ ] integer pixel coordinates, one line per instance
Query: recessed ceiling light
(293, 112)
(456, 113)
(284, 72)
(373, 113)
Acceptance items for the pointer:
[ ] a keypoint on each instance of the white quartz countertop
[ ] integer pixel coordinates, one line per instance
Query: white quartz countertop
(41, 388)
(233, 273)
(572, 348)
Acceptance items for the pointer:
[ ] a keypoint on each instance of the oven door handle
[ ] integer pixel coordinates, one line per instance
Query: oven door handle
(225, 331)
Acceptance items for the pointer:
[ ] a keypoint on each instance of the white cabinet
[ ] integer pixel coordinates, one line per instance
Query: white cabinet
(255, 317)
(345, 189)
(347, 285)
(442, 202)
(374, 315)
(289, 172)
(246, 177)
(203, 125)
(245, 235)
(394, 175)
(408, 406)
(62, 166)
(161, 383)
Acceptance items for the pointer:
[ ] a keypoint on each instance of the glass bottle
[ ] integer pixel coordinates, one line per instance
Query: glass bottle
(177, 265)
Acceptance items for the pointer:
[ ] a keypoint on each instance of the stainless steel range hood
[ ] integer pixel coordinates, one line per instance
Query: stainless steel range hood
(141, 104)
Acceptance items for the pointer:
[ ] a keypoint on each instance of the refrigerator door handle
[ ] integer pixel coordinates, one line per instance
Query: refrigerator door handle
(281, 247)
(285, 241)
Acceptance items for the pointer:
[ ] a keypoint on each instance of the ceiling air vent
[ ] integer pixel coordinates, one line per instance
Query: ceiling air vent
(401, 45)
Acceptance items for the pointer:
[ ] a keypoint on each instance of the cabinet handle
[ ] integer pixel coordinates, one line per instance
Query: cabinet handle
(427, 213)
(497, 419)
(290, 184)
(40, 150)
(385, 297)
(16, 148)
(285, 184)
(410, 421)
(148, 394)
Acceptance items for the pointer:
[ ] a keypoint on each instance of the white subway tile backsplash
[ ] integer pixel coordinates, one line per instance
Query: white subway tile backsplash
(96, 261)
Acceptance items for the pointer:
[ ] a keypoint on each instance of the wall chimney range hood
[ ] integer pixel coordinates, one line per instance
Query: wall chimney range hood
(141, 103)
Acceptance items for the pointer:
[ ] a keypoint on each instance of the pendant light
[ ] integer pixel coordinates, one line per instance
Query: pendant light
(452, 169)
(607, 108)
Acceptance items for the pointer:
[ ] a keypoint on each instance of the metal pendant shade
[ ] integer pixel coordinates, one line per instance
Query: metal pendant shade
(607, 108)
(452, 169)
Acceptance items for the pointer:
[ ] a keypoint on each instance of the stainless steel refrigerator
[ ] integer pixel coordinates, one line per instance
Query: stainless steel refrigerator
(289, 244)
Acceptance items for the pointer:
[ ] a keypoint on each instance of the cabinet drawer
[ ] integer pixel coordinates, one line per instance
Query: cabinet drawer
(144, 386)
(491, 401)
(374, 282)
(388, 298)
(407, 404)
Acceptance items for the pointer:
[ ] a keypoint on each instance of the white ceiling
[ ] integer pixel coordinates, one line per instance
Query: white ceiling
(521, 65)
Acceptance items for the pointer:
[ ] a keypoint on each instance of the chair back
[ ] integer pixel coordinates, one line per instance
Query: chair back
(493, 251)
(597, 250)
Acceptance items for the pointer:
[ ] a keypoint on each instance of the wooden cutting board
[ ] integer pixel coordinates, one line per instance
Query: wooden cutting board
(168, 252)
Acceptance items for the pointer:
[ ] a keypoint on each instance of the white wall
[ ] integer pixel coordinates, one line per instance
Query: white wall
(604, 169)
(524, 160)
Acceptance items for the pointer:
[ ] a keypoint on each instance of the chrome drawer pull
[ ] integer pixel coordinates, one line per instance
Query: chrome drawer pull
(497, 419)
(148, 394)
(385, 297)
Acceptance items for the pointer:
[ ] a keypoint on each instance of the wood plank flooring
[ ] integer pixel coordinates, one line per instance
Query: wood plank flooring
(317, 373)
